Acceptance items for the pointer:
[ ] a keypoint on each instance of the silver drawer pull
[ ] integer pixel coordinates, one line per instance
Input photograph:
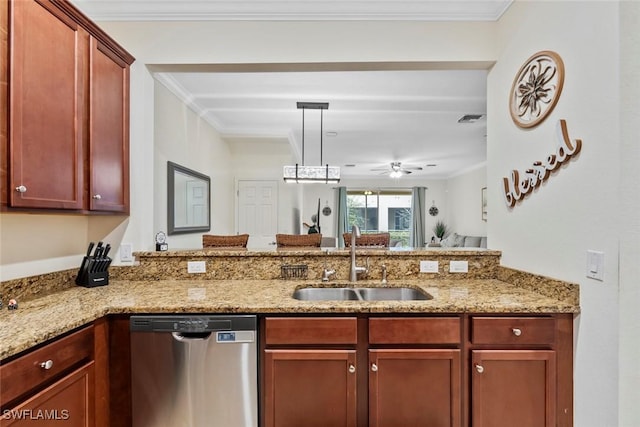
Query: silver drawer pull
(21, 189)
(516, 331)
(47, 365)
(97, 197)
(374, 367)
(479, 368)
(352, 369)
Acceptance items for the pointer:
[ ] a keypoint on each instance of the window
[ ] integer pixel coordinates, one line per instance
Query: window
(399, 219)
(377, 211)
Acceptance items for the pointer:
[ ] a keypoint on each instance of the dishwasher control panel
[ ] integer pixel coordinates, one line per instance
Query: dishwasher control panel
(224, 337)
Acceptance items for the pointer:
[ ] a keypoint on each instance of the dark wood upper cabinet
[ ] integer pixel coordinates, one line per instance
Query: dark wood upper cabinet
(67, 140)
(109, 130)
(47, 55)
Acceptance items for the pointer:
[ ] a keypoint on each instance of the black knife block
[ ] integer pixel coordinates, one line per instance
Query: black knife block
(93, 272)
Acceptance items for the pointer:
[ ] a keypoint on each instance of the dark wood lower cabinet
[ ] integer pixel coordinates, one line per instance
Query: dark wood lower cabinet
(418, 387)
(68, 402)
(435, 371)
(311, 388)
(513, 388)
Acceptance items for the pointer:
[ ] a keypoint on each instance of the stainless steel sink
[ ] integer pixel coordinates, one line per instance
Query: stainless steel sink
(326, 294)
(361, 294)
(393, 294)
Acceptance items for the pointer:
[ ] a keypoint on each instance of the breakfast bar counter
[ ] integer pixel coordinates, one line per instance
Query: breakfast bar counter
(47, 317)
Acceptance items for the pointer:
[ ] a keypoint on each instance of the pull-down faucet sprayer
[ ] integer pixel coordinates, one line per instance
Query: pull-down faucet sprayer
(355, 269)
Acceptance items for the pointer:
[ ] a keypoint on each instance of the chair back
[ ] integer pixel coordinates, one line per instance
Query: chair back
(233, 241)
(299, 240)
(371, 240)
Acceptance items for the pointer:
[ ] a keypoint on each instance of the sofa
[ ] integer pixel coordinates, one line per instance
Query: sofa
(455, 240)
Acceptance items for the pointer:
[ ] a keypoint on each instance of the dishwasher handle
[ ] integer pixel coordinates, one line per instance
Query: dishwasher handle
(191, 336)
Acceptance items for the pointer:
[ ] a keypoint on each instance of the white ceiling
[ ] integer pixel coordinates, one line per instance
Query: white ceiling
(184, 10)
(380, 116)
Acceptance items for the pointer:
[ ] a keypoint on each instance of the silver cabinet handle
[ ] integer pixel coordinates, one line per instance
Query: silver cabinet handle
(516, 331)
(47, 365)
(97, 197)
(374, 367)
(21, 189)
(479, 368)
(352, 369)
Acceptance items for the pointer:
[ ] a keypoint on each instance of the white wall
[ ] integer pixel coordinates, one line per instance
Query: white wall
(576, 209)
(262, 160)
(629, 219)
(184, 138)
(464, 194)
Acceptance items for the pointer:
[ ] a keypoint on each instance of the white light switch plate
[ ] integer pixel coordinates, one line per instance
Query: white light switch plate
(458, 266)
(196, 267)
(595, 265)
(428, 266)
(126, 252)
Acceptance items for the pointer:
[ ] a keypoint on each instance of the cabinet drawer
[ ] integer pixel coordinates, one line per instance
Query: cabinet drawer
(513, 330)
(24, 374)
(66, 402)
(414, 330)
(311, 330)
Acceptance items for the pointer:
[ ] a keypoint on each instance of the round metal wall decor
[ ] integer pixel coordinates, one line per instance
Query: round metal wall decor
(536, 89)
(433, 211)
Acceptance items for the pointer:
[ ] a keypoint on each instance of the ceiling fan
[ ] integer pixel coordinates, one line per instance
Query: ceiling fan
(396, 170)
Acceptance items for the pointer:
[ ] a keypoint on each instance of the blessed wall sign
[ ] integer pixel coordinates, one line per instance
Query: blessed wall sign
(534, 93)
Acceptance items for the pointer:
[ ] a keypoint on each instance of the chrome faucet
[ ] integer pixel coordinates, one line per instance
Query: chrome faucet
(326, 272)
(355, 269)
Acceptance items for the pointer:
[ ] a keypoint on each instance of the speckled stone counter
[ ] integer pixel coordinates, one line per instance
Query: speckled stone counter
(48, 316)
(236, 264)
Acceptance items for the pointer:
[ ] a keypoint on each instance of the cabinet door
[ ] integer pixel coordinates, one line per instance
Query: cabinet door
(48, 56)
(513, 388)
(109, 131)
(311, 388)
(68, 403)
(414, 388)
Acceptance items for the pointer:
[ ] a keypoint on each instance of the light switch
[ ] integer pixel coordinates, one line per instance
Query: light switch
(126, 252)
(595, 265)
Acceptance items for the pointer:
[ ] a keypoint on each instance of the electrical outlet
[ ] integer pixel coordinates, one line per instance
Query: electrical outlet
(428, 266)
(196, 267)
(126, 252)
(458, 266)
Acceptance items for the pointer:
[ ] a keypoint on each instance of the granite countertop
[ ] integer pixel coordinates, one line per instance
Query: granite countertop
(46, 317)
(318, 252)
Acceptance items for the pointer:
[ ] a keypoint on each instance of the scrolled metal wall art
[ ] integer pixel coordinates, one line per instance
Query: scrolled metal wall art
(534, 93)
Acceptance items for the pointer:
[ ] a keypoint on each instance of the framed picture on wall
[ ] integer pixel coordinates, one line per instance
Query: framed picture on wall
(484, 203)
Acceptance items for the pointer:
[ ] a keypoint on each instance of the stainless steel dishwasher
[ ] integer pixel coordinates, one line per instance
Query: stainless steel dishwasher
(194, 371)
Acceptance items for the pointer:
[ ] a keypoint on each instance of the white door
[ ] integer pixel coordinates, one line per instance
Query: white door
(258, 212)
(197, 203)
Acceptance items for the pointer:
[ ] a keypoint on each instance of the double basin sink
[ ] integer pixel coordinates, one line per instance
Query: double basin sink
(360, 294)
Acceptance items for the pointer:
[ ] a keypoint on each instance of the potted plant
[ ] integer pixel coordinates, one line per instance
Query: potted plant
(440, 229)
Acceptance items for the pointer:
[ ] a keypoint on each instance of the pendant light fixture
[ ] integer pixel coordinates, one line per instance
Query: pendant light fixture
(306, 174)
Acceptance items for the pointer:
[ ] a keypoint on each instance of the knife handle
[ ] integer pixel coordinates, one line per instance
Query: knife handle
(90, 248)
